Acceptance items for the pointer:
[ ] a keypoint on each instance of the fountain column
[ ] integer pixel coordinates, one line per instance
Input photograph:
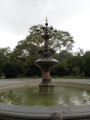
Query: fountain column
(46, 76)
(46, 86)
(46, 62)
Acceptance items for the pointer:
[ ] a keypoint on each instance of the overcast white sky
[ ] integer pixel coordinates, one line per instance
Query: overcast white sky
(17, 16)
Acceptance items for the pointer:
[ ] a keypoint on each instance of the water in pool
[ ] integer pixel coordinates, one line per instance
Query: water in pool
(63, 96)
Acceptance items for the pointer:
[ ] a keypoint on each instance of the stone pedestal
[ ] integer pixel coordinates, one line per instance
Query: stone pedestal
(46, 86)
(46, 64)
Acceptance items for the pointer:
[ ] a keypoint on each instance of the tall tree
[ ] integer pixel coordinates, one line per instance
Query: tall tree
(61, 41)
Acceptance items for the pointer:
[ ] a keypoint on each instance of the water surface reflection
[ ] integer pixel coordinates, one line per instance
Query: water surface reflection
(63, 96)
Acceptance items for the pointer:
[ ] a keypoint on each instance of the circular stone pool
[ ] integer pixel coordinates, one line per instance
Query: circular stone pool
(63, 96)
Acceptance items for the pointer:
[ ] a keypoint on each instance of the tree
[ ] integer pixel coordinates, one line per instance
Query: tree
(76, 64)
(80, 52)
(61, 41)
(65, 54)
(4, 58)
(27, 49)
(21, 60)
(87, 63)
(61, 69)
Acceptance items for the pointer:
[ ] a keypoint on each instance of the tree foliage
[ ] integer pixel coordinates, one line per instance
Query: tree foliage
(20, 61)
(4, 58)
(61, 41)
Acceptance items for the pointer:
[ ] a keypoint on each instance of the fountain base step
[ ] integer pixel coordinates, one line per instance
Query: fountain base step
(46, 88)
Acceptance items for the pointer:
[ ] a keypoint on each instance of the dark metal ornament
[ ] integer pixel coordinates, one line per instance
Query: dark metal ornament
(46, 53)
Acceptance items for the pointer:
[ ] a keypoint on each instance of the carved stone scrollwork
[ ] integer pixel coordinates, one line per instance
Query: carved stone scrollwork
(56, 116)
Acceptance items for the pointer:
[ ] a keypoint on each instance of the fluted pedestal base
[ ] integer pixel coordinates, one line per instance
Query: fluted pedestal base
(46, 88)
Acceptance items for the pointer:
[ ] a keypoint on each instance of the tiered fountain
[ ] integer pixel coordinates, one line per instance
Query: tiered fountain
(16, 101)
(46, 62)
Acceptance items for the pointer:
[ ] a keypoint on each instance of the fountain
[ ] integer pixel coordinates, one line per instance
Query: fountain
(46, 62)
(18, 111)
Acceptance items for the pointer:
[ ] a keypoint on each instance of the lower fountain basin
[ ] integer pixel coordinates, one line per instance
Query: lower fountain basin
(21, 112)
(62, 96)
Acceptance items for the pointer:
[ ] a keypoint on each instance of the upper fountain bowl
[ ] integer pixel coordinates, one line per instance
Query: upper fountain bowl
(46, 63)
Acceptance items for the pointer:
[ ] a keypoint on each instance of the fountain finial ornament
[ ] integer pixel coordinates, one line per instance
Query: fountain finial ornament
(46, 19)
(46, 62)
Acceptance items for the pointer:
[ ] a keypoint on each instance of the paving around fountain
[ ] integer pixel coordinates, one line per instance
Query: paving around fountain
(6, 83)
(10, 83)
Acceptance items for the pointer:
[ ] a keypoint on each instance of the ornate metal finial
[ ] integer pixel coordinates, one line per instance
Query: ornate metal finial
(47, 34)
(46, 19)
